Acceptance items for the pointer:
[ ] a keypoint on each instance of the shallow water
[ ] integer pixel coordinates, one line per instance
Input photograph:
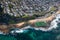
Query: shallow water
(52, 33)
(32, 34)
(29, 33)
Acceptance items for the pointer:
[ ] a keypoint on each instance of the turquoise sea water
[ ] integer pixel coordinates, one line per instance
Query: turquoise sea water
(32, 34)
(36, 35)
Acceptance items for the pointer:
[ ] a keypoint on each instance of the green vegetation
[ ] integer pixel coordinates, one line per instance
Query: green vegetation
(25, 16)
(1, 10)
(12, 22)
(10, 6)
(40, 24)
(53, 8)
(42, 13)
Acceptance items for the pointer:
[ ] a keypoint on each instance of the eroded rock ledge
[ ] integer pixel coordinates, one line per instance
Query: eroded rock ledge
(6, 28)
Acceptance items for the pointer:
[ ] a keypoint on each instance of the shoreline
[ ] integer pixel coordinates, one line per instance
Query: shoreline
(50, 18)
(21, 25)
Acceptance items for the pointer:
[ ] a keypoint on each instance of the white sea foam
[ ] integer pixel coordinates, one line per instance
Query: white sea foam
(1, 32)
(53, 25)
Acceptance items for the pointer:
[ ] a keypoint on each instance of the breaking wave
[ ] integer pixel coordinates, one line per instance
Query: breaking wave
(53, 25)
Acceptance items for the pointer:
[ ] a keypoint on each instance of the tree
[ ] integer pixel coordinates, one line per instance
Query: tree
(1, 9)
(10, 6)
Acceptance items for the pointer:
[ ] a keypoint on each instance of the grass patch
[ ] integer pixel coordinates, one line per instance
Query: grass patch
(40, 24)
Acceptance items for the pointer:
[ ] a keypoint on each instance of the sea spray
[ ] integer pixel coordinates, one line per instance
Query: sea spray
(33, 33)
(53, 24)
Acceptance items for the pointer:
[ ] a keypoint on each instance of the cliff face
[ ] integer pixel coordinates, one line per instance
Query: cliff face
(23, 7)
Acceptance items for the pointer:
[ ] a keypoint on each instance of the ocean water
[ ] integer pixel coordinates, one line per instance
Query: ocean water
(37, 35)
(29, 33)
(32, 34)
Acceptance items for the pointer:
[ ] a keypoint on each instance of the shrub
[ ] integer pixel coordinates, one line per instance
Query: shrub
(53, 8)
(10, 6)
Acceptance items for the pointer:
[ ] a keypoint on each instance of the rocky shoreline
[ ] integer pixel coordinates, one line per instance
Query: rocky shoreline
(6, 28)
